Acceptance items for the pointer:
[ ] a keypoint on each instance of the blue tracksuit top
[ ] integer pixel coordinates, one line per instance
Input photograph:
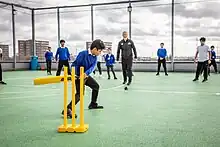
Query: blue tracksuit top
(213, 55)
(161, 53)
(49, 55)
(87, 60)
(63, 53)
(109, 59)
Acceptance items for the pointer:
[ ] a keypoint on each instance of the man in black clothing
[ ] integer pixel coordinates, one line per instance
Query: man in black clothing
(1, 81)
(125, 46)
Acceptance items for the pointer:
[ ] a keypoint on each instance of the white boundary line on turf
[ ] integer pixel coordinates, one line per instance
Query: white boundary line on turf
(47, 95)
(167, 92)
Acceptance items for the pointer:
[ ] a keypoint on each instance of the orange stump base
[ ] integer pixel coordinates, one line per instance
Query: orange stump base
(71, 129)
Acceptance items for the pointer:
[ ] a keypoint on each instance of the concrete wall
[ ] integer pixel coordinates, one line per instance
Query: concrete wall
(187, 66)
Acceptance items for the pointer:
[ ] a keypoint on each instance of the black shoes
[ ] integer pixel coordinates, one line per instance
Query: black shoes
(159, 74)
(198, 79)
(3, 83)
(69, 113)
(95, 106)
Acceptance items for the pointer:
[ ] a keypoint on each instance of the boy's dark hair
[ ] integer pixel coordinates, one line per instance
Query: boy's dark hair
(62, 41)
(212, 46)
(98, 44)
(49, 47)
(162, 43)
(202, 39)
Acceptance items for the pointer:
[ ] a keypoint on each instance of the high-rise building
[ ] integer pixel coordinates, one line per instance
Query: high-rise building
(5, 51)
(25, 49)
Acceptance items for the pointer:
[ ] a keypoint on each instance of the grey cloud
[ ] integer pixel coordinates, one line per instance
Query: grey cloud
(75, 37)
(139, 32)
(5, 26)
(198, 33)
(104, 30)
(208, 9)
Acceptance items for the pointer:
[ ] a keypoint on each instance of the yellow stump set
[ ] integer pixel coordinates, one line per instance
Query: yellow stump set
(73, 128)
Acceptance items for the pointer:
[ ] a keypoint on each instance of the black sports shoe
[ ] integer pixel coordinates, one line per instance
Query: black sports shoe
(69, 113)
(204, 80)
(195, 80)
(108, 78)
(115, 78)
(129, 83)
(3, 83)
(124, 82)
(157, 74)
(166, 74)
(95, 106)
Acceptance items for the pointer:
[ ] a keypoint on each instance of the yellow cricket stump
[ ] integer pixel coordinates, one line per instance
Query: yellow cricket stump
(71, 128)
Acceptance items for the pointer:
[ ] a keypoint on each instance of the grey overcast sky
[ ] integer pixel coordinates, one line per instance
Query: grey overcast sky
(151, 24)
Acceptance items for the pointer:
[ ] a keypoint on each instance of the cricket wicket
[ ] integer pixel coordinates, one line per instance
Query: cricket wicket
(73, 127)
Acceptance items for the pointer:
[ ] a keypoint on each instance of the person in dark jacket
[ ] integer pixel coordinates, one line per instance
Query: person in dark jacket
(127, 48)
(110, 61)
(162, 54)
(64, 57)
(213, 62)
(49, 58)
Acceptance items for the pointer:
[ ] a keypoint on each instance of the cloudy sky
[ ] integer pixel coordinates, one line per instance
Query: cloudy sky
(151, 24)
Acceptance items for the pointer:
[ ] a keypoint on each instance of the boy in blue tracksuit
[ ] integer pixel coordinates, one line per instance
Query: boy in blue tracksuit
(162, 54)
(64, 57)
(49, 58)
(213, 62)
(110, 60)
(88, 60)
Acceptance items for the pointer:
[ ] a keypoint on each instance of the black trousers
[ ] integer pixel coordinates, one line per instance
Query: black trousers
(110, 67)
(99, 68)
(213, 63)
(1, 56)
(0, 72)
(164, 65)
(49, 62)
(202, 67)
(60, 66)
(127, 68)
(91, 83)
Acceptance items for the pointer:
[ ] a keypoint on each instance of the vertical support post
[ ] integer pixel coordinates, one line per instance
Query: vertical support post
(58, 26)
(73, 96)
(82, 97)
(33, 33)
(129, 23)
(65, 97)
(92, 23)
(172, 36)
(14, 37)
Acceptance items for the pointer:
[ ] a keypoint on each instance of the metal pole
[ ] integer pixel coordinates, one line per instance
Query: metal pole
(92, 23)
(58, 26)
(172, 36)
(33, 33)
(129, 11)
(13, 34)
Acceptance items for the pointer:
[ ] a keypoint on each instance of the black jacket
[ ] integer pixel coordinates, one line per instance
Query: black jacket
(126, 47)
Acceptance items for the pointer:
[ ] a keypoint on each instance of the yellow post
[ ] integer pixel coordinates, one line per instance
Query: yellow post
(65, 97)
(81, 96)
(73, 96)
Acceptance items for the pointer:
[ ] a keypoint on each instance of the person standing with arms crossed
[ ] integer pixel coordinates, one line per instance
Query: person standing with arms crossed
(1, 58)
(64, 57)
(125, 47)
(162, 54)
(49, 58)
(204, 58)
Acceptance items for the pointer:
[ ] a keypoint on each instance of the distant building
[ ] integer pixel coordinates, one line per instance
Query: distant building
(25, 49)
(5, 51)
